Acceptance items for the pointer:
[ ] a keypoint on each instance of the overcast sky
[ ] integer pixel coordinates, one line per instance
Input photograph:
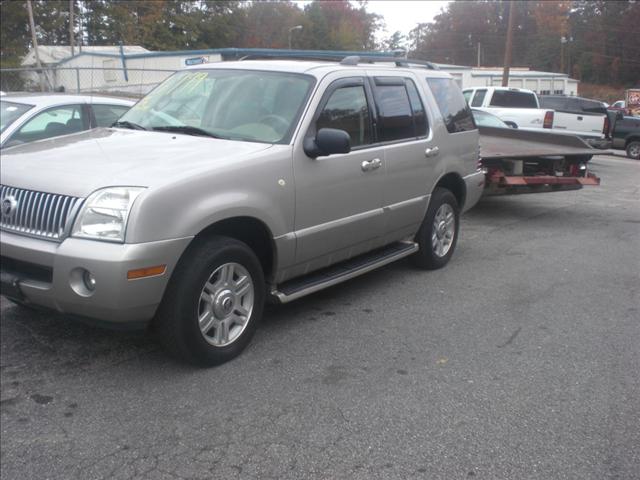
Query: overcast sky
(400, 15)
(404, 15)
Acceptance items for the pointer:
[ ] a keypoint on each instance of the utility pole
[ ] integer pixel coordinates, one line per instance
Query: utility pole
(34, 40)
(71, 32)
(507, 50)
(478, 54)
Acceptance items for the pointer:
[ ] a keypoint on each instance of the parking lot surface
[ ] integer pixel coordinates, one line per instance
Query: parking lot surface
(519, 360)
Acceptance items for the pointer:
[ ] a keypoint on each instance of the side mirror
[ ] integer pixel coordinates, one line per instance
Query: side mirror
(327, 142)
(619, 115)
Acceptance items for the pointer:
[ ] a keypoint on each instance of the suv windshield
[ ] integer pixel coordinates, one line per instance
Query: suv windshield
(10, 112)
(245, 105)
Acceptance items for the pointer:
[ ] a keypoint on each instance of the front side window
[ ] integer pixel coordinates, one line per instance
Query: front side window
(478, 98)
(106, 115)
(10, 112)
(51, 123)
(513, 99)
(246, 105)
(347, 109)
(454, 109)
(467, 95)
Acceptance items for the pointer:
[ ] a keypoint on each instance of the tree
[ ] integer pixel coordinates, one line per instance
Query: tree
(397, 41)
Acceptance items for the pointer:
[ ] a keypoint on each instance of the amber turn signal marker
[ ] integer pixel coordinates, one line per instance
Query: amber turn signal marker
(146, 272)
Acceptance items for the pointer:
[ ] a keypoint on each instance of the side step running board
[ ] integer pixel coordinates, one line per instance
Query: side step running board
(315, 281)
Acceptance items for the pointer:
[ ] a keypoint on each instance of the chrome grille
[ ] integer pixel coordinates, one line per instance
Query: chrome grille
(37, 214)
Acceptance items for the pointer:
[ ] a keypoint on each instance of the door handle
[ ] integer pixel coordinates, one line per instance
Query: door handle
(431, 152)
(369, 165)
(579, 118)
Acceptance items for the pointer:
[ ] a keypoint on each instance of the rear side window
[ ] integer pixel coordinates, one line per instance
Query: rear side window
(554, 103)
(454, 109)
(591, 106)
(513, 99)
(347, 109)
(478, 98)
(395, 114)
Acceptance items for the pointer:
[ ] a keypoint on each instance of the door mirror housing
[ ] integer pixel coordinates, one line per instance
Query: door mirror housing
(328, 141)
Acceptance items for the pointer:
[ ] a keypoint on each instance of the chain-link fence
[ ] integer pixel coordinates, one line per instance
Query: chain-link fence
(130, 82)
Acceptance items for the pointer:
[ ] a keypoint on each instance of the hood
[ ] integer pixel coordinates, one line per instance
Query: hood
(81, 163)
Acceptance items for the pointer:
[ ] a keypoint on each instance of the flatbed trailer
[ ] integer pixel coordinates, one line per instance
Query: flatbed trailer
(519, 161)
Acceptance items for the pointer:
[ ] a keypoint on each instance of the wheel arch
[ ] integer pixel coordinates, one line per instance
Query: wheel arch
(632, 138)
(249, 230)
(456, 185)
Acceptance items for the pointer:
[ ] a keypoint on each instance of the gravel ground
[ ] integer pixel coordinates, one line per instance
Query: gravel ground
(519, 360)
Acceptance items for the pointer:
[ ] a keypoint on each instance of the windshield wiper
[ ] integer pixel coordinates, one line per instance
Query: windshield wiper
(186, 129)
(126, 124)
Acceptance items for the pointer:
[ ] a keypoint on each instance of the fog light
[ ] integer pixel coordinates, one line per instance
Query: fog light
(89, 280)
(82, 282)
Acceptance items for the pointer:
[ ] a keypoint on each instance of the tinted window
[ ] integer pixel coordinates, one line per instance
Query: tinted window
(591, 106)
(513, 99)
(478, 98)
(106, 115)
(347, 110)
(554, 103)
(395, 116)
(419, 115)
(51, 123)
(455, 111)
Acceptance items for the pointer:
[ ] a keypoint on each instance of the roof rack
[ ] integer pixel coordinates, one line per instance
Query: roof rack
(399, 62)
(335, 56)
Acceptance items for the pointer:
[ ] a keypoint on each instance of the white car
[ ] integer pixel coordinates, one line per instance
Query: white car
(27, 117)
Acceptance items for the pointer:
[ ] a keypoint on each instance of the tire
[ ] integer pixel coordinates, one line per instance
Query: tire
(633, 150)
(441, 222)
(221, 281)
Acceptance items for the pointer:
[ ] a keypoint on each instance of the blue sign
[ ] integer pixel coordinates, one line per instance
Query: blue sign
(195, 61)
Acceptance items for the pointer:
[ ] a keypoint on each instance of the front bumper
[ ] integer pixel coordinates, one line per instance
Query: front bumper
(475, 187)
(39, 272)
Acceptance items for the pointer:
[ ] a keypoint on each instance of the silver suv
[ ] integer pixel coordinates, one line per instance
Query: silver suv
(234, 183)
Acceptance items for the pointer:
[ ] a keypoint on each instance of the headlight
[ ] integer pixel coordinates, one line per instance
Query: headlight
(104, 214)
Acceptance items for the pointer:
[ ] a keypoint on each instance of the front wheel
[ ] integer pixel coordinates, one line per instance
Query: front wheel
(213, 303)
(438, 234)
(633, 150)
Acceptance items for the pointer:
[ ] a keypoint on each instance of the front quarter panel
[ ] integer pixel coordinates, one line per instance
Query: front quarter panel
(259, 186)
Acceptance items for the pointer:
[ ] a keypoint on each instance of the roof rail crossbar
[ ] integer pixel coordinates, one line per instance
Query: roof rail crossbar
(343, 60)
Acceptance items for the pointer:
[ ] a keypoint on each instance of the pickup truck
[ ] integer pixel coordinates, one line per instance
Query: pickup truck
(516, 107)
(237, 182)
(626, 136)
(522, 109)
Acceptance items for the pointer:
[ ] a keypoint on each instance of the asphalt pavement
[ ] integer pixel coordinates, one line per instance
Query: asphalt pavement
(519, 360)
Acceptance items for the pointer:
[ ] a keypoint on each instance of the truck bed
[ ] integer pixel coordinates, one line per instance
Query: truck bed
(534, 162)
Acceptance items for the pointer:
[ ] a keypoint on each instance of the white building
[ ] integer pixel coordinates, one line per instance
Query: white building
(543, 83)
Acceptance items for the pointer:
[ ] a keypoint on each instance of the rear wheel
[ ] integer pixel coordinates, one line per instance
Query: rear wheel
(633, 150)
(213, 302)
(438, 234)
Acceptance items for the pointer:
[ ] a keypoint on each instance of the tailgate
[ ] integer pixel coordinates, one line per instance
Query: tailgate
(579, 123)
